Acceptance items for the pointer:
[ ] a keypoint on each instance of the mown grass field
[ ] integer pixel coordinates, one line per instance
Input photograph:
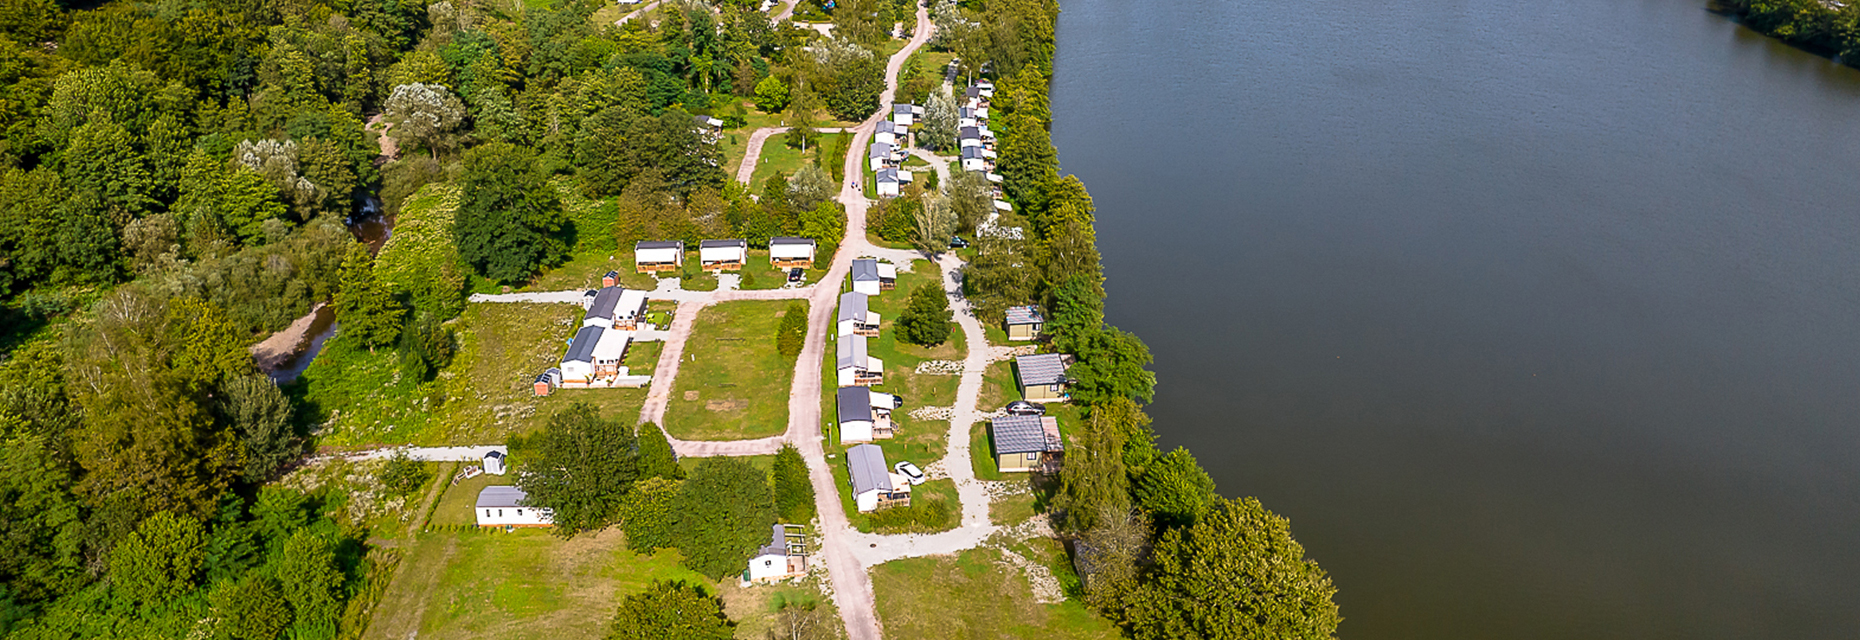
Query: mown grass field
(734, 384)
(778, 156)
(526, 584)
(975, 595)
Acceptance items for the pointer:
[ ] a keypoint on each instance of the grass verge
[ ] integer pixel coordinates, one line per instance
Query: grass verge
(975, 594)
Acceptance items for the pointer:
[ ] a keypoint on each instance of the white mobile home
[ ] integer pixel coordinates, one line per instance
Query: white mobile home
(864, 414)
(601, 310)
(659, 255)
(725, 255)
(881, 155)
(855, 365)
(887, 132)
(888, 185)
(503, 506)
(785, 556)
(610, 351)
(578, 363)
(856, 316)
(872, 483)
(630, 310)
(865, 276)
(787, 253)
(903, 115)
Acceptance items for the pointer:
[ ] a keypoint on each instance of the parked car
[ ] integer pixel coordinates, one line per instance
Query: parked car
(1025, 408)
(910, 471)
(956, 242)
(796, 275)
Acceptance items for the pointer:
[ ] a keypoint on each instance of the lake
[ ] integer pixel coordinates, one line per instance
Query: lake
(1538, 320)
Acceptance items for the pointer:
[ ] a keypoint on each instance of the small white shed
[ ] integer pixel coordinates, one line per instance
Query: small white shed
(658, 255)
(494, 462)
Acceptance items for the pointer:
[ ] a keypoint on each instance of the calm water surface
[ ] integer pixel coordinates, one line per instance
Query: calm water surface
(1539, 320)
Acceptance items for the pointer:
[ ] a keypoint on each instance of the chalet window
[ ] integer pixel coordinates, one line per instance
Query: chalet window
(1032, 457)
(487, 513)
(500, 513)
(519, 513)
(768, 563)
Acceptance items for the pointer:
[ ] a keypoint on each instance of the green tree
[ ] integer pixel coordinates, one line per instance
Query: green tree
(102, 159)
(671, 610)
(261, 416)
(1175, 489)
(365, 306)
(42, 530)
(799, 118)
(580, 466)
(791, 334)
(312, 583)
(725, 514)
(794, 492)
(423, 116)
(1095, 479)
(933, 224)
(1111, 365)
(252, 608)
(647, 514)
(160, 561)
(510, 222)
(1235, 574)
(926, 318)
(656, 458)
(825, 223)
(941, 115)
(809, 187)
(771, 94)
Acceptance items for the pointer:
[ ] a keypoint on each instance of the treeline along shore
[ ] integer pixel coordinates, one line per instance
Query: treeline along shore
(1828, 28)
(1149, 527)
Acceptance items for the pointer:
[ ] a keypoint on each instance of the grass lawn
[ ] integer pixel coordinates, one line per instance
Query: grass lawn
(455, 505)
(502, 348)
(755, 609)
(734, 385)
(584, 271)
(998, 386)
(759, 273)
(982, 454)
(777, 156)
(1011, 509)
(925, 520)
(527, 584)
(974, 595)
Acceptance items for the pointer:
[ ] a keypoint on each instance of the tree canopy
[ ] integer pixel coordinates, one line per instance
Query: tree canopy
(581, 466)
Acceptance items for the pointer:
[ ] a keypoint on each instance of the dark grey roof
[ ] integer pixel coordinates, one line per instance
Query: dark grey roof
(865, 270)
(879, 149)
(1029, 314)
(851, 352)
(972, 92)
(866, 464)
(886, 126)
(969, 132)
(901, 108)
(604, 302)
(501, 496)
(852, 307)
(715, 244)
(659, 244)
(777, 546)
(805, 241)
(1021, 434)
(494, 454)
(1042, 368)
(611, 274)
(972, 152)
(582, 349)
(888, 174)
(855, 404)
(965, 112)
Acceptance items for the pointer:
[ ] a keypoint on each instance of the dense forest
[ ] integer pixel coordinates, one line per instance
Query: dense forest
(178, 180)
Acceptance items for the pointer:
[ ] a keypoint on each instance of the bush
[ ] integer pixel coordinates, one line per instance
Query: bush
(792, 332)
(403, 475)
(794, 494)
